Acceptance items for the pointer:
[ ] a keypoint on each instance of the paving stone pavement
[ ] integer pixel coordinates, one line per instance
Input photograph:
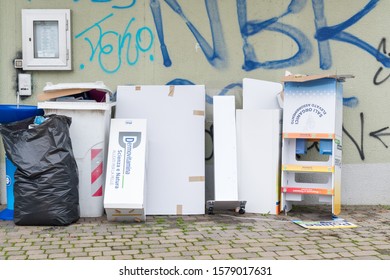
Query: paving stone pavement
(224, 235)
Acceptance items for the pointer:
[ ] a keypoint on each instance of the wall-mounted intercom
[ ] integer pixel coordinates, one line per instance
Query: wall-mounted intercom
(24, 84)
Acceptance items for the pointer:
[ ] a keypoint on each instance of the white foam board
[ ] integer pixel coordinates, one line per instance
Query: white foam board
(258, 94)
(176, 161)
(124, 195)
(225, 148)
(258, 149)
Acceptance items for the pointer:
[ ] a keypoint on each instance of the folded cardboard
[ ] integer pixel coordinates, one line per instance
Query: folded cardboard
(306, 78)
(53, 91)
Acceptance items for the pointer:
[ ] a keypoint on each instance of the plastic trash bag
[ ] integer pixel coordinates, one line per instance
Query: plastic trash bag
(46, 177)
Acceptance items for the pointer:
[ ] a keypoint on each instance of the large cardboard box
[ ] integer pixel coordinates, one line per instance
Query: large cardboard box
(176, 133)
(313, 104)
(124, 195)
(313, 111)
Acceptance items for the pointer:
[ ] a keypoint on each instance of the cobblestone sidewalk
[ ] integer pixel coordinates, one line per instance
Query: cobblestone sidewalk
(225, 235)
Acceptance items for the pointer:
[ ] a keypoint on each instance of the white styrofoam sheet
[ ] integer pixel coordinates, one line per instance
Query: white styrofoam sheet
(258, 147)
(176, 161)
(258, 94)
(225, 149)
(124, 195)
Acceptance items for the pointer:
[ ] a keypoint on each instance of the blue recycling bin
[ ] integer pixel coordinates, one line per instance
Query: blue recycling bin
(8, 114)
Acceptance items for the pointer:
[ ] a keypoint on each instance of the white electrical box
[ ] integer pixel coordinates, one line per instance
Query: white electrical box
(46, 39)
(24, 84)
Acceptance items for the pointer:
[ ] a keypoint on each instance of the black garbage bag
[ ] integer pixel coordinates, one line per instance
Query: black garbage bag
(46, 177)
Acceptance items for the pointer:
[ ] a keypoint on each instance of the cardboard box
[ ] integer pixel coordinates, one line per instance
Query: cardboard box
(124, 195)
(313, 110)
(313, 104)
(176, 133)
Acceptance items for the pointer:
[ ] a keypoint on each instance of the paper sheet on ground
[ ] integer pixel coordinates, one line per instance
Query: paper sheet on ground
(332, 224)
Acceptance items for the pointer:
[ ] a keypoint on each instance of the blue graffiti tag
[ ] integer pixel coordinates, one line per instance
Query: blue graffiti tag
(128, 46)
(351, 102)
(253, 27)
(125, 7)
(324, 33)
(215, 55)
(133, 2)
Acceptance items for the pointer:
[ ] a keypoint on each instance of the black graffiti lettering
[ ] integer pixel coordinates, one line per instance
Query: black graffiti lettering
(378, 133)
(381, 48)
(376, 82)
(361, 147)
(211, 134)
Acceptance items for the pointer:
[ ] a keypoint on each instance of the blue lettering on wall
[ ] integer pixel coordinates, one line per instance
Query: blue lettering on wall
(351, 102)
(215, 55)
(325, 33)
(132, 3)
(156, 11)
(128, 46)
(253, 27)
(127, 6)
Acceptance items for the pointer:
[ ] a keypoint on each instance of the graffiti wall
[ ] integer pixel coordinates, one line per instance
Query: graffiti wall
(218, 43)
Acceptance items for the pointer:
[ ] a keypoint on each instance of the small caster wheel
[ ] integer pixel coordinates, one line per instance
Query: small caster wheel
(210, 211)
(241, 211)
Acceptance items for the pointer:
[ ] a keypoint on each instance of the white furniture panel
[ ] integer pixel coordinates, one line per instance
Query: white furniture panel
(176, 160)
(258, 94)
(225, 148)
(258, 146)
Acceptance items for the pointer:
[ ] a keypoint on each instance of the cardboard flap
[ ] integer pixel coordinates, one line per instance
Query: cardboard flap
(305, 78)
(59, 93)
(51, 91)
